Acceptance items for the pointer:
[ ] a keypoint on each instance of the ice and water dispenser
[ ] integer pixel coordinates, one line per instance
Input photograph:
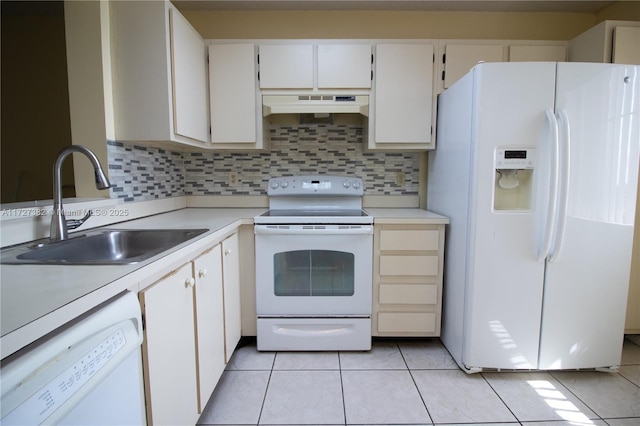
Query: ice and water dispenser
(513, 188)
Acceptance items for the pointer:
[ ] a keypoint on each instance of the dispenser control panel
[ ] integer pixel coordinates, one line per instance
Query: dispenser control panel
(515, 158)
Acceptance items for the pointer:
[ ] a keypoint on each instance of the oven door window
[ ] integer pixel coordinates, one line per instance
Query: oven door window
(313, 273)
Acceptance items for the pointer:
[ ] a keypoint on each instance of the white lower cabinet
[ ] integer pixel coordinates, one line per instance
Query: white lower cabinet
(232, 313)
(169, 350)
(209, 305)
(407, 293)
(192, 325)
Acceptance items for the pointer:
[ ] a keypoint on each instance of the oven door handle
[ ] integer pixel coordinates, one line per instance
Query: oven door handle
(313, 230)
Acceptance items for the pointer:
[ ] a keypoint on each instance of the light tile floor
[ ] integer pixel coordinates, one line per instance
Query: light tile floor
(414, 382)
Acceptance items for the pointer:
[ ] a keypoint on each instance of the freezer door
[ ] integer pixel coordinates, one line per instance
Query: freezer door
(587, 274)
(503, 295)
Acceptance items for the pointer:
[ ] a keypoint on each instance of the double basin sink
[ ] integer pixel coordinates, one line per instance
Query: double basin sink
(99, 247)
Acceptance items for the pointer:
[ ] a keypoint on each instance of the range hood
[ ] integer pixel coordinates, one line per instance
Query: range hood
(315, 104)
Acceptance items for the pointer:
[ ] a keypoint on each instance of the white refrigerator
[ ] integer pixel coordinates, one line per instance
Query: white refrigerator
(537, 168)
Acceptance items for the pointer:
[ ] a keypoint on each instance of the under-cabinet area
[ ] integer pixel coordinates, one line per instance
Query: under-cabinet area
(407, 279)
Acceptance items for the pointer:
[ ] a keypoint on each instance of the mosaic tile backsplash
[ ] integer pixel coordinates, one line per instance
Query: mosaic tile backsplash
(140, 173)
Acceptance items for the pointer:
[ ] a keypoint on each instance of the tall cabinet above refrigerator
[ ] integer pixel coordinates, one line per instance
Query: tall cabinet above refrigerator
(537, 169)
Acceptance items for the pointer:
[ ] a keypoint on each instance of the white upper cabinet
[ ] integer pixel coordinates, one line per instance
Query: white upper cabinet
(188, 66)
(536, 53)
(626, 45)
(403, 97)
(233, 96)
(344, 66)
(608, 42)
(159, 74)
(460, 58)
(315, 66)
(286, 66)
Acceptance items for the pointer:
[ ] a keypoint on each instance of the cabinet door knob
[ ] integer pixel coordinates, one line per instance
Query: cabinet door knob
(202, 273)
(190, 282)
(227, 252)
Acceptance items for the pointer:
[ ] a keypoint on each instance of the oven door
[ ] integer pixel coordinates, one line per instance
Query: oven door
(313, 270)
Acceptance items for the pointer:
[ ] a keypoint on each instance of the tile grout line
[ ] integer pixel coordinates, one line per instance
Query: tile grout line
(415, 384)
(344, 405)
(266, 390)
(500, 398)
(551, 373)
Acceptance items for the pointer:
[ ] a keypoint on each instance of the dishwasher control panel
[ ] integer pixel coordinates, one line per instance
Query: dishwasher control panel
(51, 397)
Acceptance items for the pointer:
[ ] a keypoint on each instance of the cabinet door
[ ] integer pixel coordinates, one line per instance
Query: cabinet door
(414, 239)
(403, 93)
(231, 282)
(626, 45)
(286, 66)
(207, 270)
(460, 58)
(189, 79)
(344, 66)
(407, 322)
(537, 53)
(409, 265)
(169, 350)
(232, 98)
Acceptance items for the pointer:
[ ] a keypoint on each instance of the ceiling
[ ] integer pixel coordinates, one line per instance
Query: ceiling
(579, 6)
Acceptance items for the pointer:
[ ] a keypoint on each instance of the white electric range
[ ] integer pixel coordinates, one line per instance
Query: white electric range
(314, 250)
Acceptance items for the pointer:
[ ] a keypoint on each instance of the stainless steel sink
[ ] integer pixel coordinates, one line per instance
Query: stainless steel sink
(99, 247)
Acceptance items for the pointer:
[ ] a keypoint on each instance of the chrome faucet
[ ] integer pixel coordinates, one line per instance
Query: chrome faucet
(59, 224)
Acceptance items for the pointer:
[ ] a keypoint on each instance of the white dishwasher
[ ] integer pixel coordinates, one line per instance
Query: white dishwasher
(88, 372)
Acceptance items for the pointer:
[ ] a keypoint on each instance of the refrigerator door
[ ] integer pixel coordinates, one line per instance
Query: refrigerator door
(587, 273)
(503, 294)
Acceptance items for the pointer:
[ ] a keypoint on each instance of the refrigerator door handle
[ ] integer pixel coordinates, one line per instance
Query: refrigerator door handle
(549, 227)
(563, 196)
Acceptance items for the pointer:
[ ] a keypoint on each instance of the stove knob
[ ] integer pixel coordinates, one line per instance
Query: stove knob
(346, 184)
(284, 184)
(274, 184)
(356, 184)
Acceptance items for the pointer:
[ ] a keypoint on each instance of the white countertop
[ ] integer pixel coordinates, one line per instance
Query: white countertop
(404, 215)
(37, 299)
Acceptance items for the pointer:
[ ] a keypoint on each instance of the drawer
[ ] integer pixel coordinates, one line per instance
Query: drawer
(409, 294)
(408, 265)
(406, 322)
(414, 239)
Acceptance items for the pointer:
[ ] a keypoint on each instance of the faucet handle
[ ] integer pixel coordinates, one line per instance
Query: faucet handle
(74, 223)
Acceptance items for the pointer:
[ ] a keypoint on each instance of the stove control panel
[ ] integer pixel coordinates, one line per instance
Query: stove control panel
(315, 185)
